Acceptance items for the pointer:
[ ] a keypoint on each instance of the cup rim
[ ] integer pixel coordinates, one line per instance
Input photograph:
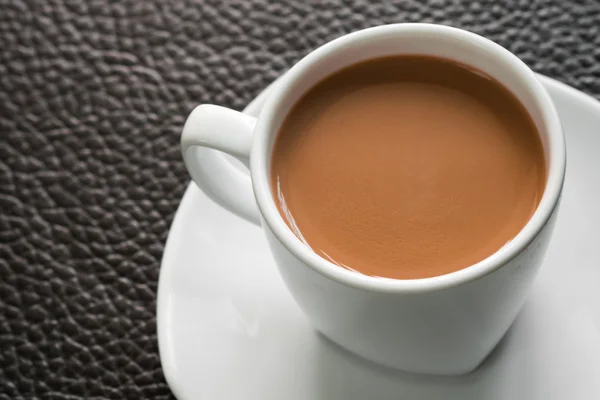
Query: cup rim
(260, 160)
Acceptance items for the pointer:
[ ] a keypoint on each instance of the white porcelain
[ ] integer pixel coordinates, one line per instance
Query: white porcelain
(442, 325)
(228, 329)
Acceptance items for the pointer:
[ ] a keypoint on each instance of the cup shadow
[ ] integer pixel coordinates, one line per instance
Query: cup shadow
(340, 374)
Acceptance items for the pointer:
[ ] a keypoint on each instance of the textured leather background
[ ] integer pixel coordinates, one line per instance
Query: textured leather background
(93, 94)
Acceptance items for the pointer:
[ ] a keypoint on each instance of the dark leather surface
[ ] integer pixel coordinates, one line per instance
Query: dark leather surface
(93, 94)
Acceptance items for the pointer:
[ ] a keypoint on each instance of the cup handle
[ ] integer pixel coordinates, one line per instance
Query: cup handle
(219, 128)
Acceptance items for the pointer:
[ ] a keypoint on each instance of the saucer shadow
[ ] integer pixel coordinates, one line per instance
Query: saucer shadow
(340, 374)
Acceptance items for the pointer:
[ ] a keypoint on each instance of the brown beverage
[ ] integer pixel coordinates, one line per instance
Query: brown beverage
(407, 167)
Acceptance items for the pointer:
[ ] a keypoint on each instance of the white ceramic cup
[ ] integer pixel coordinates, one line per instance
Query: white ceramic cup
(441, 325)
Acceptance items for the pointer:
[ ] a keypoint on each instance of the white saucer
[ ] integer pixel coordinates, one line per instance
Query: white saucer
(228, 329)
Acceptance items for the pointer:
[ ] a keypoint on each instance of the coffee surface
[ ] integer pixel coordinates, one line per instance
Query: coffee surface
(407, 167)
